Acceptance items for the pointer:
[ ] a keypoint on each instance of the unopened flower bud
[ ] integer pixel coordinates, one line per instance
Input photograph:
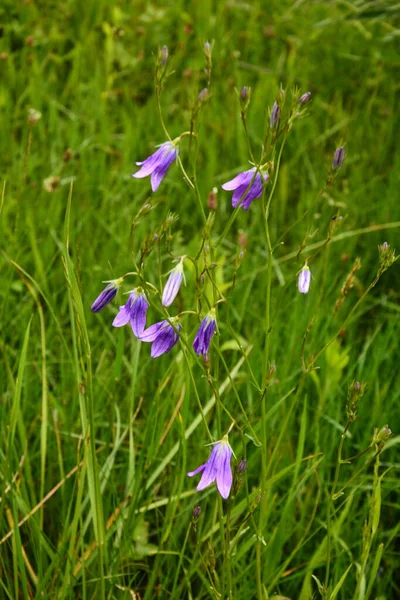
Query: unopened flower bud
(355, 393)
(275, 114)
(245, 94)
(305, 98)
(243, 239)
(387, 256)
(67, 155)
(242, 466)
(382, 436)
(207, 50)
(212, 202)
(203, 96)
(338, 158)
(196, 512)
(163, 55)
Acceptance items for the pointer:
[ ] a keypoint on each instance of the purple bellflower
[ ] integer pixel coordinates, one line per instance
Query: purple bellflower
(163, 336)
(204, 334)
(304, 280)
(240, 185)
(133, 312)
(217, 468)
(157, 164)
(108, 294)
(173, 284)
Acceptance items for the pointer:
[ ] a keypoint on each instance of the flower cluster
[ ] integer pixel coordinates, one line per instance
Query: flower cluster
(246, 187)
(163, 335)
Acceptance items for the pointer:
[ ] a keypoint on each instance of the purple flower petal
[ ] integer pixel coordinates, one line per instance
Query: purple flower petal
(241, 179)
(150, 334)
(196, 471)
(210, 470)
(224, 474)
(161, 170)
(254, 192)
(164, 342)
(150, 163)
(124, 314)
(138, 315)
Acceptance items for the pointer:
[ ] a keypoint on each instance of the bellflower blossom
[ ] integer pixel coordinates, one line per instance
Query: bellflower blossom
(157, 164)
(217, 468)
(108, 294)
(204, 334)
(133, 312)
(163, 336)
(304, 280)
(241, 183)
(173, 284)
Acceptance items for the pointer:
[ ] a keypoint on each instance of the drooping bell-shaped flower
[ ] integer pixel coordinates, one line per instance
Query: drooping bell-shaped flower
(173, 284)
(247, 187)
(133, 312)
(108, 294)
(158, 163)
(217, 468)
(204, 334)
(163, 336)
(304, 280)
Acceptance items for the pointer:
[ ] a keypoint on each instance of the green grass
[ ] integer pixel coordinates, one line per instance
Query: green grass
(97, 437)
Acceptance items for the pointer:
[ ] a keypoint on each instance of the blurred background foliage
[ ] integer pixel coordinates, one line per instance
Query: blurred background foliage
(88, 68)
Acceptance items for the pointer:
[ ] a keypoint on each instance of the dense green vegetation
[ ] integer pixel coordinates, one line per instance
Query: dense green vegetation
(96, 436)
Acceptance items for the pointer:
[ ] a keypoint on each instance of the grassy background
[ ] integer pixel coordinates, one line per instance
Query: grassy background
(88, 68)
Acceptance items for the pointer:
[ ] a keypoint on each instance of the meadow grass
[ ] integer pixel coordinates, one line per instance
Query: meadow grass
(97, 437)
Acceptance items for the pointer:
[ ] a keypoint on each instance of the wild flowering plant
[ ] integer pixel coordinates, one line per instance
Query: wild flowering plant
(192, 334)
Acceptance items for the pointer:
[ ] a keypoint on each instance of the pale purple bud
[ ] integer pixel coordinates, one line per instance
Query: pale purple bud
(164, 55)
(305, 98)
(196, 512)
(304, 280)
(244, 92)
(173, 284)
(203, 96)
(242, 466)
(338, 158)
(275, 113)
